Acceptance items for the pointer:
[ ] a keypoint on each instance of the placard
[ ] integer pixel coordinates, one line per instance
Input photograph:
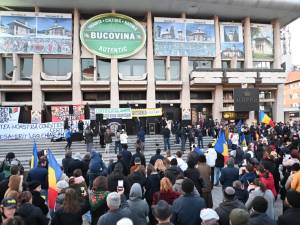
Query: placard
(60, 113)
(9, 114)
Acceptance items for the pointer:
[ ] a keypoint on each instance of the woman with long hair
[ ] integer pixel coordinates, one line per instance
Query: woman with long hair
(70, 213)
(166, 192)
(160, 167)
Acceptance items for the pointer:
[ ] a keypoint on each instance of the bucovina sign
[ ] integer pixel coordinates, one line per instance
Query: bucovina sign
(113, 35)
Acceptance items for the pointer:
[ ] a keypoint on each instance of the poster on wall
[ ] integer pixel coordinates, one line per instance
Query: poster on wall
(60, 113)
(232, 43)
(40, 33)
(262, 41)
(9, 114)
(184, 37)
(36, 117)
(186, 114)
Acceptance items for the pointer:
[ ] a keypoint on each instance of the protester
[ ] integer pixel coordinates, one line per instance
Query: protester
(239, 217)
(107, 139)
(240, 192)
(173, 171)
(209, 217)
(166, 192)
(7, 209)
(163, 212)
(229, 174)
(88, 137)
(156, 156)
(180, 162)
(258, 215)
(37, 199)
(291, 215)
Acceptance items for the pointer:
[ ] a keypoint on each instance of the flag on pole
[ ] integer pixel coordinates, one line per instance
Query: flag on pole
(221, 145)
(264, 118)
(54, 175)
(243, 142)
(34, 157)
(239, 126)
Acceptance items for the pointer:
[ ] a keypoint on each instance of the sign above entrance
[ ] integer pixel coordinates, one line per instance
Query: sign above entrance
(246, 99)
(113, 35)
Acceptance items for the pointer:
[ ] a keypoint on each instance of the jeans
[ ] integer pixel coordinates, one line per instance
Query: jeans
(69, 143)
(89, 147)
(200, 140)
(166, 143)
(118, 146)
(183, 140)
(177, 139)
(217, 174)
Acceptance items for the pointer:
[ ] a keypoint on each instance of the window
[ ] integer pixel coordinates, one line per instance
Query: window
(136, 95)
(133, 67)
(96, 96)
(228, 95)
(240, 65)
(262, 65)
(160, 69)
(18, 96)
(199, 64)
(201, 95)
(167, 95)
(87, 69)
(58, 96)
(8, 67)
(103, 69)
(225, 64)
(265, 94)
(26, 68)
(175, 69)
(57, 67)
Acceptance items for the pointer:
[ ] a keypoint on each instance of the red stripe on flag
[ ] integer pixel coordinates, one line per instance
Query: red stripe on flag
(52, 195)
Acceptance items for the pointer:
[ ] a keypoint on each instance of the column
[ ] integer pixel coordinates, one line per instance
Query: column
(233, 62)
(278, 113)
(218, 103)
(277, 45)
(150, 65)
(16, 68)
(1, 68)
(217, 60)
(76, 76)
(247, 43)
(168, 68)
(95, 68)
(37, 68)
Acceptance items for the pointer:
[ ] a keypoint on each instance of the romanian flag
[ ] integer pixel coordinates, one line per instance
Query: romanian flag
(54, 175)
(34, 157)
(243, 142)
(221, 145)
(264, 118)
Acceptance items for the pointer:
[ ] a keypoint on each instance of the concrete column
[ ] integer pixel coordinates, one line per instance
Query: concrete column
(168, 68)
(278, 114)
(1, 68)
(150, 65)
(218, 103)
(185, 93)
(16, 68)
(233, 62)
(37, 68)
(95, 68)
(218, 59)
(76, 91)
(114, 84)
(277, 45)
(247, 43)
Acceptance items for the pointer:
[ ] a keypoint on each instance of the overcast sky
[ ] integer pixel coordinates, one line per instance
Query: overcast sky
(295, 41)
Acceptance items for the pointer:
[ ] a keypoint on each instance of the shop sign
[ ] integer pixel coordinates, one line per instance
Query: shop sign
(246, 99)
(113, 35)
(148, 112)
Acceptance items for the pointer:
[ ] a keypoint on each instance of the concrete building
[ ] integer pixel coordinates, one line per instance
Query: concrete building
(202, 84)
(292, 96)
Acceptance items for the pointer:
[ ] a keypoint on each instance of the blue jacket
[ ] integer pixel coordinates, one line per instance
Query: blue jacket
(39, 174)
(96, 165)
(248, 178)
(228, 175)
(67, 133)
(141, 135)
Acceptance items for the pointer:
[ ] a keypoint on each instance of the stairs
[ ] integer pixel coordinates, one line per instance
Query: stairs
(23, 148)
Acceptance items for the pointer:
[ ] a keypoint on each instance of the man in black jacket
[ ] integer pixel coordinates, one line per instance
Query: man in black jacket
(291, 216)
(156, 157)
(259, 216)
(166, 135)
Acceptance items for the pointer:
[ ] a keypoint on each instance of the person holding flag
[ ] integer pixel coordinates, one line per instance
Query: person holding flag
(221, 145)
(264, 118)
(34, 158)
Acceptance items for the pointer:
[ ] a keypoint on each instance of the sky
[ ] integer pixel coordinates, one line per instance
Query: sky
(295, 41)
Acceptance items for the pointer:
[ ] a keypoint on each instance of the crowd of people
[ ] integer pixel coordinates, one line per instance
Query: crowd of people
(169, 189)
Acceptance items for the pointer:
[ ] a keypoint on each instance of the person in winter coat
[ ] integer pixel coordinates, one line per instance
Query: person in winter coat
(61, 187)
(71, 212)
(173, 171)
(123, 138)
(31, 214)
(186, 209)
(180, 162)
(267, 179)
(37, 200)
(194, 175)
(88, 136)
(249, 175)
(229, 174)
(115, 176)
(291, 215)
(138, 154)
(14, 184)
(218, 168)
(137, 174)
(166, 135)
(211, 156)
(229, 203)
(141, 137)
(96, 167)
(259, 216)
(166, 192)
(259, 189)
(138, 206)
(240, 192)
(107, 139)
(156, 157)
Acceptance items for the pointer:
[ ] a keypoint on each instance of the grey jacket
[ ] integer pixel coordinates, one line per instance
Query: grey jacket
(138, 206)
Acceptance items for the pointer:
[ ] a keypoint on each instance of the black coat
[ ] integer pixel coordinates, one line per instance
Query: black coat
(194, 175)
(73, 165)
(126, 155)
(156, 157)
(225, 208)
(152, 186)
(32, 215)
(219, 160)
(38, 201)
(62, 218)
(259, 219)
(3, 187)
(289, 217)
(137, 177)
(141, 156)
(228, 175)
(172, 172)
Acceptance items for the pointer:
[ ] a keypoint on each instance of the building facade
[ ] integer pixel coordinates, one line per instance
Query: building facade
(292, 96)
(203, 85)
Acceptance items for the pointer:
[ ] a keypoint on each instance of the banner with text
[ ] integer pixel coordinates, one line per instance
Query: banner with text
(60, 113)
(114, 113)
(184, 37)
(9, 114)
(148, 112)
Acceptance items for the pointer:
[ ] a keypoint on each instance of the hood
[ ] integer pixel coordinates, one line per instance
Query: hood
(135, 192)
(179, 181)
(95, 155)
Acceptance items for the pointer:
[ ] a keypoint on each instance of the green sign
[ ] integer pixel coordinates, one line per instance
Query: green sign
(113, 35)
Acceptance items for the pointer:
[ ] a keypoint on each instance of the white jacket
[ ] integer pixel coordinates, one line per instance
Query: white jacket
(123, 138)
(211, 157)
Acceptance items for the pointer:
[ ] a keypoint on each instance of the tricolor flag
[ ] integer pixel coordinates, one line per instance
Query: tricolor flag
(264, 118)
(221, 145)
(243, 142)
(54, 175)
(34, 157)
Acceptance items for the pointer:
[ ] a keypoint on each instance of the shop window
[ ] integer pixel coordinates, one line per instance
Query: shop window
(26, 68)
(103, 69)
(175, 69)
(136, 95)
(199, 64)
(57, 66)
(87, 69)
(160, 69)
(7, 68)
(133, 67)
(262, 65)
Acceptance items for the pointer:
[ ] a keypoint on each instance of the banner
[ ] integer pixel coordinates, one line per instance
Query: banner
(9, 114)
(184, 37)
(262, 41)
(232, 43)
(36, 117)
(186, 114)
(148, 112)
(40, 33)
(114, 113)
(60, 113)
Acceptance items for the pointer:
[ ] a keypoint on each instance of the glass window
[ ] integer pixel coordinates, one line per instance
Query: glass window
(8, 67)
(57, 67)
(26, 68)
(199, 64)
(262, 65)
(133, 67)
(87, 69)
(103, 69)
(240, 65)
(175, 69)
(225, 64)
(160, 69)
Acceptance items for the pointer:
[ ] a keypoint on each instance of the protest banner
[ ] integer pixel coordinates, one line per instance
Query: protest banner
(114, 113)
(148, 112)
(9, 114)
(60, 113)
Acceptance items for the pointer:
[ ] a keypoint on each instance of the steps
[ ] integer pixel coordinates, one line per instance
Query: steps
(23, 148)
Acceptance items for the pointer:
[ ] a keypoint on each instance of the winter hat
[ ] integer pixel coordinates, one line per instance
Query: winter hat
(62, 184)
(125, 221)
(113, 200)
(162, 210)
(208, 215)
(293, 197)
(239, 217)
(33, 185)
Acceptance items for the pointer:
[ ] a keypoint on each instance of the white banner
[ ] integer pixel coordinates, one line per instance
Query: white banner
(9, 114)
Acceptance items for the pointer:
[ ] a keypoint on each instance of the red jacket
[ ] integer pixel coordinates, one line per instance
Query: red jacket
(169, 197)
(268, 182)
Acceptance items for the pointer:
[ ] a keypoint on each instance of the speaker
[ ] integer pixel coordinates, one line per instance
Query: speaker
(99, 118)
(71, 112)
